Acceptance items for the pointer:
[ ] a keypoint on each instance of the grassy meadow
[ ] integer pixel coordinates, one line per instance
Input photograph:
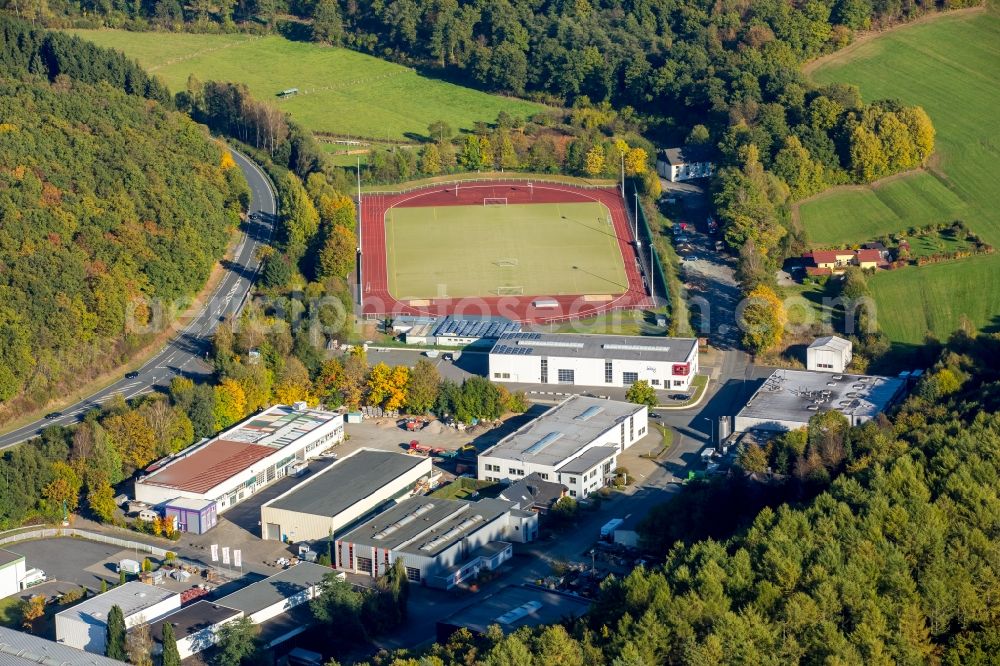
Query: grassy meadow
(951, 66)
(341, 91)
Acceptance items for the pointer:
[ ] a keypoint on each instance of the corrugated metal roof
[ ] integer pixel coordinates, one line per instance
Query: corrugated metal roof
(20, 649)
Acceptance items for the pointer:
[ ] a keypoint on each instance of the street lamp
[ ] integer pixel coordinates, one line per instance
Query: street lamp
(638, 243)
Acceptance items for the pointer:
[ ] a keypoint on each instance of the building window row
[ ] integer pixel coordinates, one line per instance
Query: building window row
(501, 375)
(492, 468)
(515, 472)
(545, 370)
(629, 378)
(609, 376)
(824, 365)
(365, 564)
(413, 574)
(565, 376)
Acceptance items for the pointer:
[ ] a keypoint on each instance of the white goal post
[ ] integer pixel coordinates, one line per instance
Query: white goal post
(510, 291)
(495, 201)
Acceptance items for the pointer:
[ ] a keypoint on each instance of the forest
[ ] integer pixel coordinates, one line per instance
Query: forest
(98, 220)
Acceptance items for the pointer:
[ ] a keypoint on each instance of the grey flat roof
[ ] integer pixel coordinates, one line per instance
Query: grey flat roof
(20, 649)
(192, 619)
(532, 490)
(275, 589)
(426, 526)
(561, 432)
(583, 345)
(132, 598)
(7, 557)
(346, 482)
(787, 395)
(685, 155)
(588, 459)
(514, 607)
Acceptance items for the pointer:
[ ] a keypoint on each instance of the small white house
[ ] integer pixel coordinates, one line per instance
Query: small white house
(11, 573)
(677, 164)
(195, 627)
(829, 354)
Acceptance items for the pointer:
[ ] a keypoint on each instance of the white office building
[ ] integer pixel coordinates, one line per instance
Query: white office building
(679, 164)
(196, 627)
(829, 354)
(594, 360)
(576, 443)
(85, 625)
(240, 461)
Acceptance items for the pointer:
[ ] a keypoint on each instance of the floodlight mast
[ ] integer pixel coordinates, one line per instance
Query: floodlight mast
(361, 281)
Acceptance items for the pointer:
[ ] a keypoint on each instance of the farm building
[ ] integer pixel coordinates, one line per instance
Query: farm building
(84, 626)
(240, 461)
(195, 516)
(277, 594)
(442, 542)
(512, 608)
(11, 573)
(18, 648)
(830, 354)
(576, 443)
(688, 163)
(788, 398)
(341, 494)
(194, 627)
(594, 360)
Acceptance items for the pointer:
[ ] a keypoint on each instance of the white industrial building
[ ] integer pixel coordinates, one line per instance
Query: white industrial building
(576, 443)
(441, 542)
(195, 627)
(277, 594)
(789, 398)
(18, 648)
(829, 354)
(240, 461)
(84, 626)
(11, 573)
(342, 494)
(594, 360)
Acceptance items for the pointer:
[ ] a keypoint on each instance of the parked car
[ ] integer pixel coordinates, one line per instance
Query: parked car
(53, 415)
(131, 375)
(655, 415)
(691, 257)
(680, 396)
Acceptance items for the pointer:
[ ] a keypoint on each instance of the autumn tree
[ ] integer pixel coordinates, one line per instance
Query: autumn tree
(31, 609)
(506, 155)
(422, 390)
(921, 130)
(430, 159)
(230, 403)
(133, 437)
(636, 162)
(101, 498)
(762, 319)
(795, 165)
(352, 379)
(594, 161)
(336, 258)
(641, 393)
(65, 487)
(139, 645)
(868, 159)
(472, 153)
(753, 458)
(299, 220)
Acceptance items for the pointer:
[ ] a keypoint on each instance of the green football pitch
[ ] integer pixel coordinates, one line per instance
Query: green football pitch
(503, 250)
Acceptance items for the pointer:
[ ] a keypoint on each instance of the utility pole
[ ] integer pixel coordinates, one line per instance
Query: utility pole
(623, 174)
(638, 243)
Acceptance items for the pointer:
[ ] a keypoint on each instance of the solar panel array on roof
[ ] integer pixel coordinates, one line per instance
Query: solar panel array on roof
(492, 327)
(504, 349)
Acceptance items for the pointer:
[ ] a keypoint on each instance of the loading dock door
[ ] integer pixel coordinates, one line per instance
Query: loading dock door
(273, 532)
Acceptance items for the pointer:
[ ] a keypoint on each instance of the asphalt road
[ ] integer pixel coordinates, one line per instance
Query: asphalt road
(185, 353)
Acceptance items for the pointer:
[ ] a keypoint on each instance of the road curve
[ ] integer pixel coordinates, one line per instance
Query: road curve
(185, 353)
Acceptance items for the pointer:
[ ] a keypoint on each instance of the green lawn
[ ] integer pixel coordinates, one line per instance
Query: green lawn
(951, 67)
(342, 91)
(913, 301)
(848, 216)
(529, 249)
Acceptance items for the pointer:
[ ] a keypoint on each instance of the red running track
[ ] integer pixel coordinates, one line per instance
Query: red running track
(377, 301)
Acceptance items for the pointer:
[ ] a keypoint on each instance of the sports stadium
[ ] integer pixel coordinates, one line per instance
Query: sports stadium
(531, 251)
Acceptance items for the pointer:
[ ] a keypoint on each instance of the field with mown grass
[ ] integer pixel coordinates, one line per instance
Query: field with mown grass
(341, 91)
(951, 67)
